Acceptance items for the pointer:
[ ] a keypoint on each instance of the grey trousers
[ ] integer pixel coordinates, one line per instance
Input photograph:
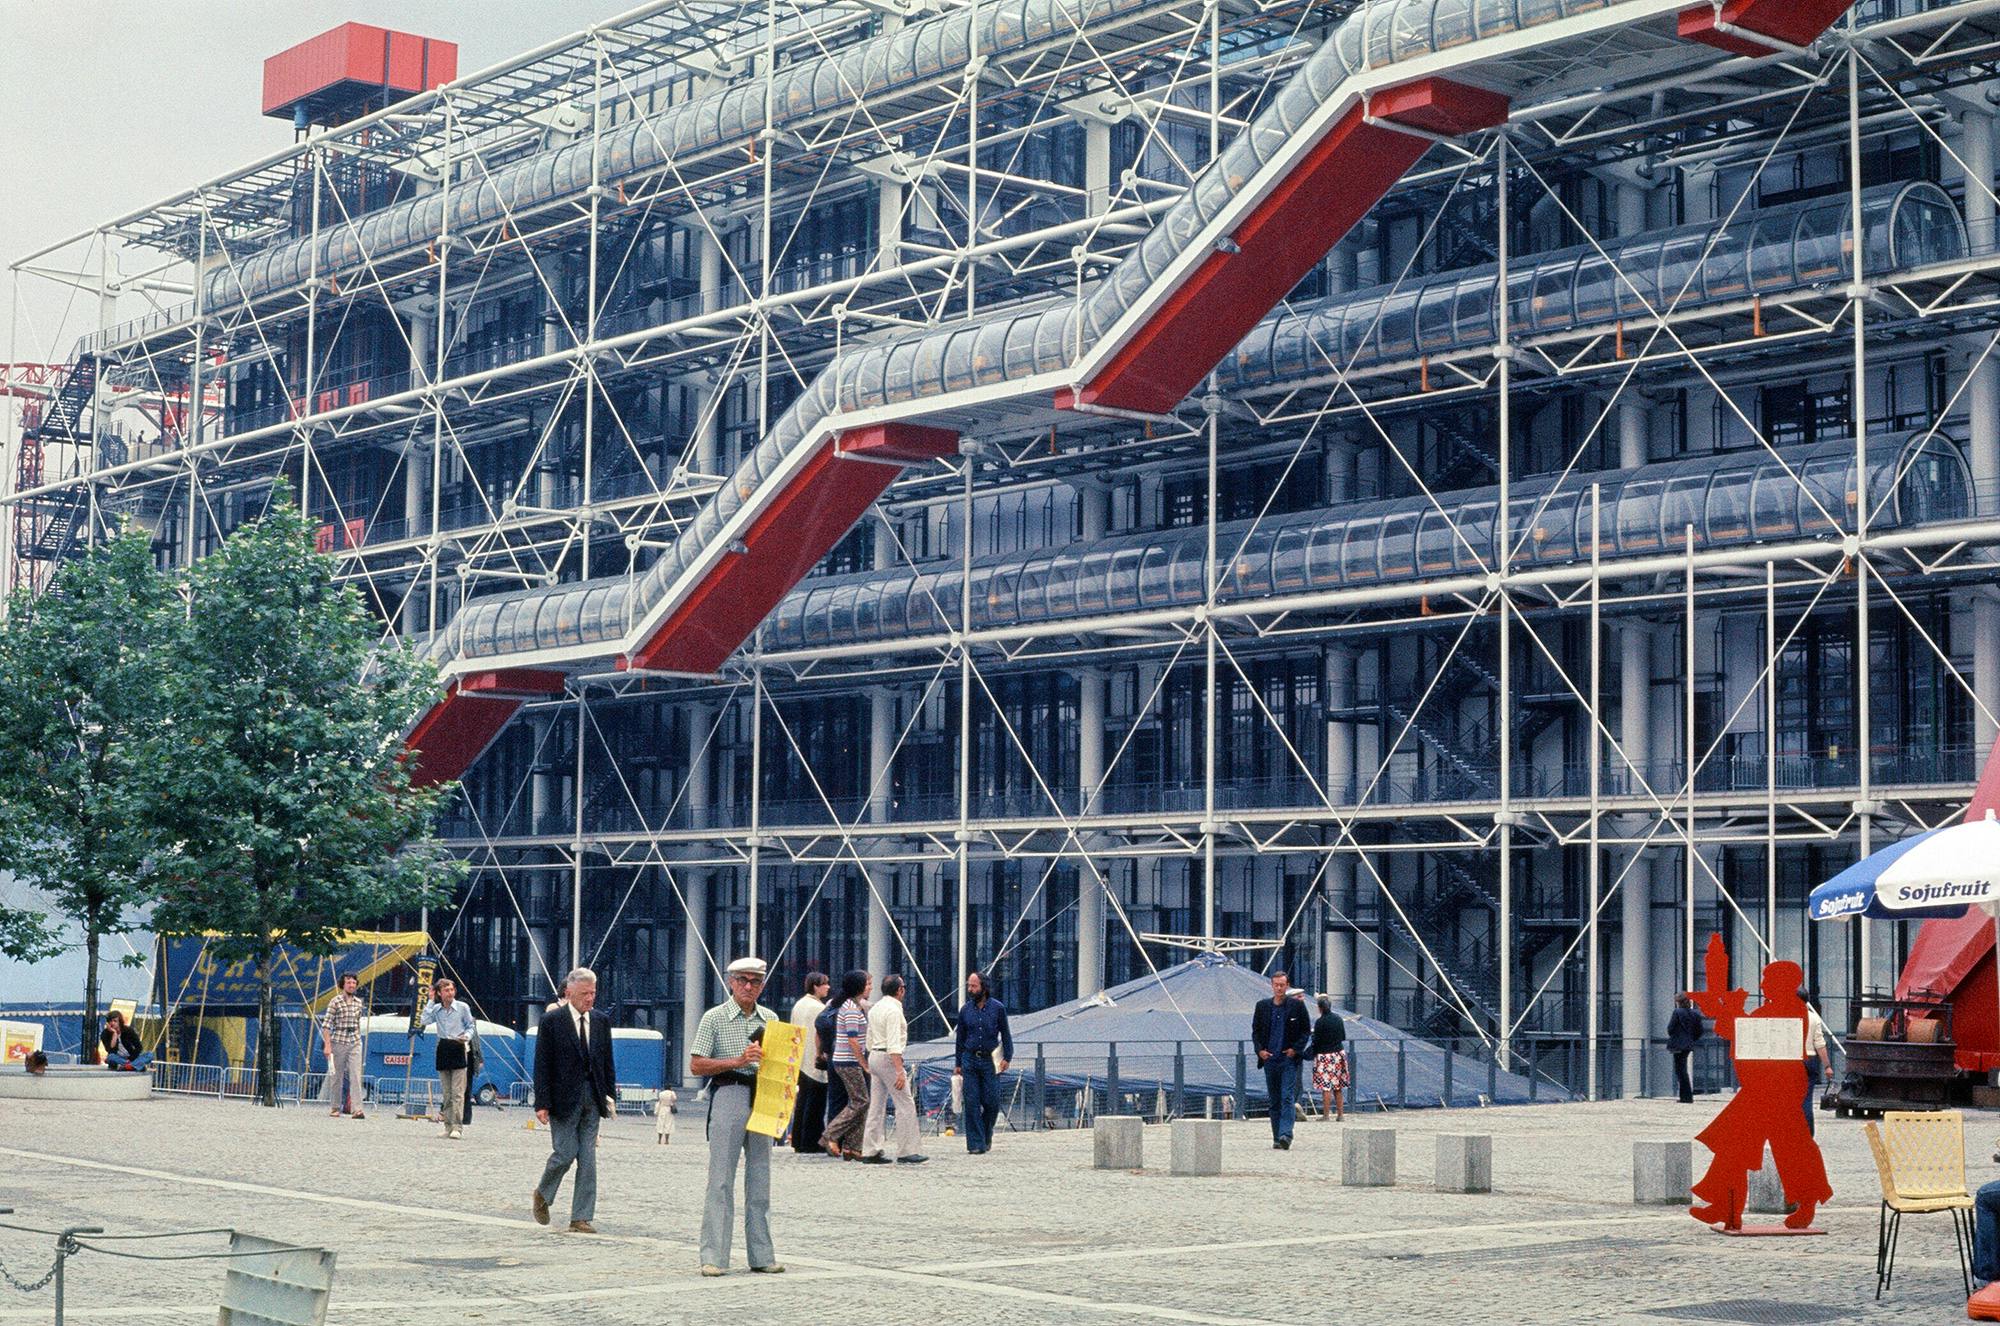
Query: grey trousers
(729, 1141)
(881, 1094)
(574, 1141)
(343, 1076)
(452, 1082)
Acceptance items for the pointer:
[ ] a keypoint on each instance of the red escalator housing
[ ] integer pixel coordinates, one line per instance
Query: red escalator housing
(1794, 22)
(1331, 189)
(832, 490)
(475, 708)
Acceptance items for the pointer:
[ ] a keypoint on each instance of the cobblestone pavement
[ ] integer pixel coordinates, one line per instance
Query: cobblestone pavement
(434, 1231)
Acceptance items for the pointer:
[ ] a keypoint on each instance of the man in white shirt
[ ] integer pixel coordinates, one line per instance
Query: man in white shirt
(888, 1038)
(809, 1111)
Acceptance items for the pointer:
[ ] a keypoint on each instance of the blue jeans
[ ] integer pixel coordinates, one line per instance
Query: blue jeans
(1986, 1232)
(1281, 1079)
(137, 1063)
(980, 1090)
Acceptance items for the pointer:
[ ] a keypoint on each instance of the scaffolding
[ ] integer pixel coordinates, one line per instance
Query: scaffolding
(1593, 549)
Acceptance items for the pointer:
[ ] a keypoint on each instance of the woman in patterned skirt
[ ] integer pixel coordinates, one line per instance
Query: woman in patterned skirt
(1329, 1056)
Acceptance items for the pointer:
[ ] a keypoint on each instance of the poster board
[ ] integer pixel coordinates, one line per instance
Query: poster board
(777, 1078)
(1762, 1038)
(18, 1040)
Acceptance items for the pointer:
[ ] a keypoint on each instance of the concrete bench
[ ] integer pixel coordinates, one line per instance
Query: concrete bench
(1465, 1162)
(74, 1082)
(1369, 1158)
(1118, 1142)
(1196, 1146)
(1662, 1173)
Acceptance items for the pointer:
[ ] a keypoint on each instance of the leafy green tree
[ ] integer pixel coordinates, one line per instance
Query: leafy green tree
(285, 797)
(80, 675)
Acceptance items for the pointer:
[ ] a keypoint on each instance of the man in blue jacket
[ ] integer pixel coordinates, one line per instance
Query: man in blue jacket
(985, 1047)
(1281, 1029)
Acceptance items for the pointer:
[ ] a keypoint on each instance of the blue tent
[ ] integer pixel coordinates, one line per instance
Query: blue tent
(1201, 1008)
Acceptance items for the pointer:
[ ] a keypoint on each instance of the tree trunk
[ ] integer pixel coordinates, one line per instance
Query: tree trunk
(91, 1047)
(267, 1050)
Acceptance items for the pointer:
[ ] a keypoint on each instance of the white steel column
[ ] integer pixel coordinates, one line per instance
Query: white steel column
(1635, 696)
(694, 886)
(1975, 147)
(1338, 690)
(881, 743)
(1090, 908)
(708, 256)
(1093, 508)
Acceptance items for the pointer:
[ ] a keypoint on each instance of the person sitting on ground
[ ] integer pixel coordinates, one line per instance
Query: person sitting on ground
(1986, 1232)
(122, 1052)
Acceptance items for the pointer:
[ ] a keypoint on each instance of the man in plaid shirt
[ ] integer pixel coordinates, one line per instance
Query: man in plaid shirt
(340, 1032)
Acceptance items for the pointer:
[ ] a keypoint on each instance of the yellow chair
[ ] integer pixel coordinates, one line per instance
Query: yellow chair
(1920, 1158)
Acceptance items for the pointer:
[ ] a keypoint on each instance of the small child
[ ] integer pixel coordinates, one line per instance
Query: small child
(663, 1115)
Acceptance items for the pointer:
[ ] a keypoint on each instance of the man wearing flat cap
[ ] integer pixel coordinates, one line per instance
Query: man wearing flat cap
(726, 1050)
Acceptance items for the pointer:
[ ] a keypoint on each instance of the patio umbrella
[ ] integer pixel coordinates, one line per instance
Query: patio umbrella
(1934, 874)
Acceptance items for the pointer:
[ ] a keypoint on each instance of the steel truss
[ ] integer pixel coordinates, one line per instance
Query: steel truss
(564, 460)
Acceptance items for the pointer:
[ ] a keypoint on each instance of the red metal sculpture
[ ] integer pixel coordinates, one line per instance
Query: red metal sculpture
(1768, 1049)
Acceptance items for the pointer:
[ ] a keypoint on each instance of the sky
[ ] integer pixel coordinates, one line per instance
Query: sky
(111, 105)
(108, 106)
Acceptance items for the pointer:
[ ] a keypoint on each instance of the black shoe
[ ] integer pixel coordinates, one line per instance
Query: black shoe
(914, 1159)
(1284, 1144)
(877, 1159)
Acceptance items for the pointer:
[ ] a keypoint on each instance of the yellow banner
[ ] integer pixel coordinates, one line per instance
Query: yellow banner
(777, 1078)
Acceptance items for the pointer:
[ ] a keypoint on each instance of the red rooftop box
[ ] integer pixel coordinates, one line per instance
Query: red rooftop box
(347, 70)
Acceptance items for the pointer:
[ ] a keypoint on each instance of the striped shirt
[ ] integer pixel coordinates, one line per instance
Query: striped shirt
(342, 1023)
(853, 1021)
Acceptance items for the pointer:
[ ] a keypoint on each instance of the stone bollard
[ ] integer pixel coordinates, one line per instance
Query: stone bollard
(1196, 1146)
(1662, 1173)
(1465, 1162)
(1767, 1193)
(1119, 1141)
(1370, 1158)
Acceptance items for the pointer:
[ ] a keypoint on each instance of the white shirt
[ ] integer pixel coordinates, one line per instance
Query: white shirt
(804, 1013)
(1815, 1033)
(888, 1031)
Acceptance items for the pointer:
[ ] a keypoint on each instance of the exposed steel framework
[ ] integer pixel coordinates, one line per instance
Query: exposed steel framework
(1526, 772)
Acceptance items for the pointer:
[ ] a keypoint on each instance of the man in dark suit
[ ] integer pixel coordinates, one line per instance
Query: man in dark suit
(1684, 1032)
(575, 1086)
(1281, 1029)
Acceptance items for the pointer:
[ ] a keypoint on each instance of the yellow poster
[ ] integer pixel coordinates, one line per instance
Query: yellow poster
(777, 1079)
(18, 1040)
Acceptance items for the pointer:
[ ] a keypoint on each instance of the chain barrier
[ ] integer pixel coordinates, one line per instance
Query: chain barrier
(24, 1286)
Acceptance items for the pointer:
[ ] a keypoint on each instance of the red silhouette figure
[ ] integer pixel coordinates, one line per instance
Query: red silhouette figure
(1771, 1087)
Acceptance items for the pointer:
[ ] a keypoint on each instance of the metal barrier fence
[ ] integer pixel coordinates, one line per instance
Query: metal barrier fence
(1068, 1085)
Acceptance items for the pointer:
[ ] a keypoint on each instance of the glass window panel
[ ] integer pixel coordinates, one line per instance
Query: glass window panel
(1729, 506)
(1398, 545)
(1639, 516)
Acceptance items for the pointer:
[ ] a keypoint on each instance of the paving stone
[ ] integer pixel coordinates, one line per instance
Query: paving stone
(1465, 1162)
(1662, 1172)
(428, 1231)
(1119, 1141)
(1196, 1146)
(1369, 1158)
